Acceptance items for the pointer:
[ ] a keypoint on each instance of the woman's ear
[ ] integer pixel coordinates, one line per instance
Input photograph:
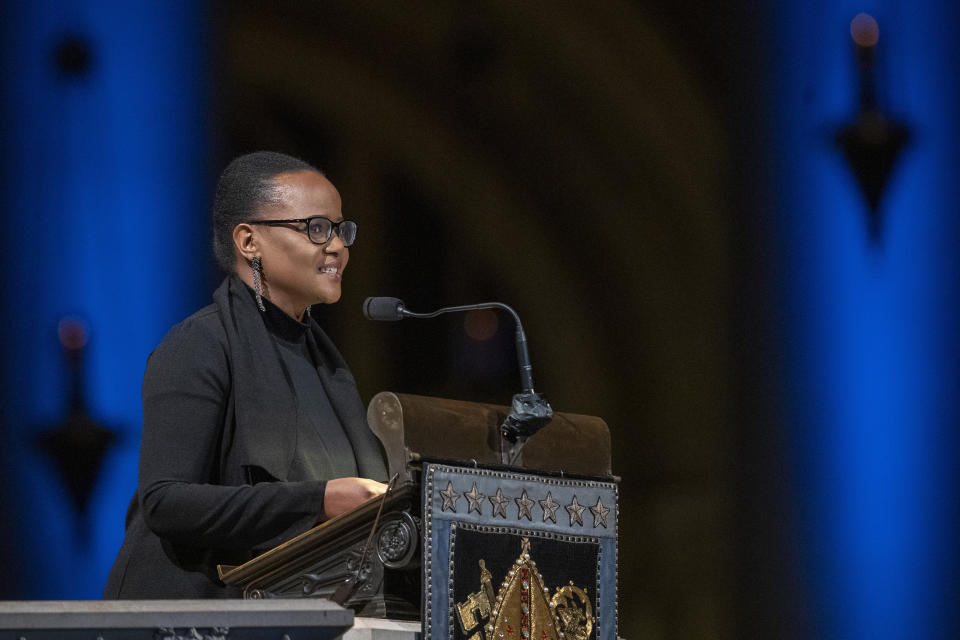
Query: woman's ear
(245, 241)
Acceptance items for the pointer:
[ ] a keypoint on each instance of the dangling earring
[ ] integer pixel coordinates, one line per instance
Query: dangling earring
(308, 312)
(257, 265)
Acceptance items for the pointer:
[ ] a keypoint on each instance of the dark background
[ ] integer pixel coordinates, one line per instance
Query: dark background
(655, 187)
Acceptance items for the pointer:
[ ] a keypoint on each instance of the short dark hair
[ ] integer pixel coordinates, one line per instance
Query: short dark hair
(245, 186)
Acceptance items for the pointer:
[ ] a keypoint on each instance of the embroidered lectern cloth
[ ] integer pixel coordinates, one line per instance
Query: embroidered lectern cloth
(515, 556)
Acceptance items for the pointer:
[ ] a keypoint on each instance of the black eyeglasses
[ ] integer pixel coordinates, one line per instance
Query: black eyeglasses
(319, 229)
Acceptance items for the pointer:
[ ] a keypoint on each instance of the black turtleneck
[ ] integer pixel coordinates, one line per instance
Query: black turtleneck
(323, 449)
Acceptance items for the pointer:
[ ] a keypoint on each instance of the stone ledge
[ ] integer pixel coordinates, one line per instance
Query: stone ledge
(320, 619)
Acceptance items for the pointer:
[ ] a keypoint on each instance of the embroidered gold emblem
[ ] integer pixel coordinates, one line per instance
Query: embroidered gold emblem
(523, 608)
(574, 611)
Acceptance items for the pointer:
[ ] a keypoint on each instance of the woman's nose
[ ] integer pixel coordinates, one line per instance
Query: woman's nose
(335, 245)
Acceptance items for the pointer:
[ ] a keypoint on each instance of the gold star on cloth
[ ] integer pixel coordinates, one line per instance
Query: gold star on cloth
(576, 512)
(475, 500)
(524, 504)
(549, 507)
(449, 498)
(499, 503)
(599, 512)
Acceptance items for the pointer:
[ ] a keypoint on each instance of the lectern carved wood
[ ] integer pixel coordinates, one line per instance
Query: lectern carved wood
(459, 538)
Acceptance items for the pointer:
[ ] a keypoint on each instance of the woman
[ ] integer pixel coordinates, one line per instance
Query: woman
(253, 430)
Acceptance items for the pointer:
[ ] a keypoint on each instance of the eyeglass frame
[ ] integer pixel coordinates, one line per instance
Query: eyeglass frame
(334, 228)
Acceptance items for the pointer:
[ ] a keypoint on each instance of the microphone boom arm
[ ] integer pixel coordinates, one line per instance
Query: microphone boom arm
(523, 355)
(529, 410)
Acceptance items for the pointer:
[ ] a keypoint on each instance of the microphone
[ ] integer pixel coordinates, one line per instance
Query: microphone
(529, 411)
(383, 309)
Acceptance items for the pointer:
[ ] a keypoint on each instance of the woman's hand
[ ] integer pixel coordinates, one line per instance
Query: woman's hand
(345, 494)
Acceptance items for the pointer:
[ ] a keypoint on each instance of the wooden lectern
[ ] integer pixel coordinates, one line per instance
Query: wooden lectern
(453, 499)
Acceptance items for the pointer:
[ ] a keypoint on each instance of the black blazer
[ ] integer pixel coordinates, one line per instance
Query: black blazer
(218, 439)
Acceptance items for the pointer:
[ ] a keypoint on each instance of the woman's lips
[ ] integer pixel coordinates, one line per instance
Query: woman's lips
(332, 271)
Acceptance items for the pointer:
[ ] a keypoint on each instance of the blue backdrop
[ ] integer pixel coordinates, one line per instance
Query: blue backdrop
(105, 198)
(870, 329)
